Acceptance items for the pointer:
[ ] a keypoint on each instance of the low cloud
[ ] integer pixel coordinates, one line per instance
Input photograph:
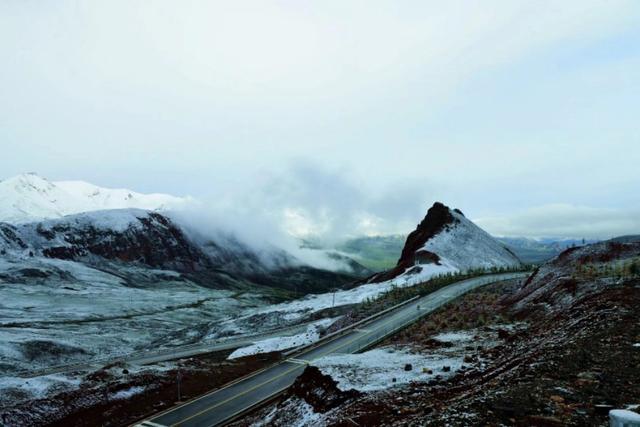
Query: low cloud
(564, 220)
(305, 202)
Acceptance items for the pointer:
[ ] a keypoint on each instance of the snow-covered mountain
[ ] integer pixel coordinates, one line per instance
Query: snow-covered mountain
(133, 242)
(29, 197)
(128, 235)
(445, 237)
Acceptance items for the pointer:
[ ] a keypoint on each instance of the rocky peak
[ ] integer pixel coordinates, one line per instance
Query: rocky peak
(320, 390)
(438, 218)
(447, 239)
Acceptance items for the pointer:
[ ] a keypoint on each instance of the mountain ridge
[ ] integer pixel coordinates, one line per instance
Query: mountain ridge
(446, 237)
(29, 197)
(126, 240)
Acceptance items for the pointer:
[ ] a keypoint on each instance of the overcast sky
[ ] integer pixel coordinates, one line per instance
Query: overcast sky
(337, 117)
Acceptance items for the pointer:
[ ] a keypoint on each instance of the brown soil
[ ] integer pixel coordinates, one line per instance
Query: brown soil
(89, 407)
(568, 369)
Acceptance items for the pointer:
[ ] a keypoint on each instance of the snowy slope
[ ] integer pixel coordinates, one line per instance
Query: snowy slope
(134, 236)
(445, 237)
(465, 246)
(29, 197)
(98, 198)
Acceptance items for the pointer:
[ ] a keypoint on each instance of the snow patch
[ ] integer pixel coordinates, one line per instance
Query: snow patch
(311, 335)
(127, 393)
(460, 336)
(298, 414)
(466, 246)
(35, 388)
(376, 369)
(29, 197)
(297, 309)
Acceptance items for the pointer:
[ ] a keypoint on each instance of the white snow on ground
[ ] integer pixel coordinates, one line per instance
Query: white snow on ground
(466, 246)
(34, 388)
(311, 335)
(29, 197)
(127, 393)
(453, 337)
(94, 315)
(312, 303)
(299, 414)
(375, 369)
(117, 220)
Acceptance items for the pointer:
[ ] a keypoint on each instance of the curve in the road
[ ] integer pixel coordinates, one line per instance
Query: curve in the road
(227, 403)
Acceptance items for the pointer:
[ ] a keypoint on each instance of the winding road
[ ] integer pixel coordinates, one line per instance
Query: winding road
(227, 403)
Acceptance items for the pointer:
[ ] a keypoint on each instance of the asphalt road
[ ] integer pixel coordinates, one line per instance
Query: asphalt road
(221, 405)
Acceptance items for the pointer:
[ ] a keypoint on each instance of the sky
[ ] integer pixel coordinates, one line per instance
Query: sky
(340, 117)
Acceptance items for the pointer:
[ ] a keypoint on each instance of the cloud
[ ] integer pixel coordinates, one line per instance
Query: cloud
(331, 204)
(485, 106)
(564, 220)
(305, 201)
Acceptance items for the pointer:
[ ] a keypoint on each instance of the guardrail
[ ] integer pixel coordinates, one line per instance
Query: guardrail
(29, 373)
(324, 340)
(378, 337)
(382, 335)
(327, 338)
(347, 328)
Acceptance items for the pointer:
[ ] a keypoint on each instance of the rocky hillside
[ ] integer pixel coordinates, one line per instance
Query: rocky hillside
(560, 348)
(126, 235)
(576, 273)
(446, 237)
(126, 240)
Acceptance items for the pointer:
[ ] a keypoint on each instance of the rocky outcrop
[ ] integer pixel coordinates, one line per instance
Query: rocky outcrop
(131, 236)
(320, 391)
(446, 237)
(438, 217)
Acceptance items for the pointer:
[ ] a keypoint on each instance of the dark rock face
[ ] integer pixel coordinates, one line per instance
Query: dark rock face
(9, 238)
(437, 218)
(320, 391)
(43, 350)
(113, 240)
(157, 242)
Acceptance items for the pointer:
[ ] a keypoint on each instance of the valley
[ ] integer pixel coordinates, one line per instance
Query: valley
(115, 304)
(319, 213)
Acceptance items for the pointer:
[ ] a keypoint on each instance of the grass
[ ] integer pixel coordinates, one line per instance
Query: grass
(397, 295)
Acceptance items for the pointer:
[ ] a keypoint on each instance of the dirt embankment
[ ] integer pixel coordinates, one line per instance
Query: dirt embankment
(115, 397)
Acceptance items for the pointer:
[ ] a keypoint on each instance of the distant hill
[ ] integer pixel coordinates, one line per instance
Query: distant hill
(632, 238)
(536, 251)
(136, 243)
(377, 253)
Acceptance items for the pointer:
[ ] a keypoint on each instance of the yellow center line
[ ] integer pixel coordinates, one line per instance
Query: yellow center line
(332, 350)
(281, 375)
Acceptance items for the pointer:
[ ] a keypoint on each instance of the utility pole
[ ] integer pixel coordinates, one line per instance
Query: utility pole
(179, 379)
